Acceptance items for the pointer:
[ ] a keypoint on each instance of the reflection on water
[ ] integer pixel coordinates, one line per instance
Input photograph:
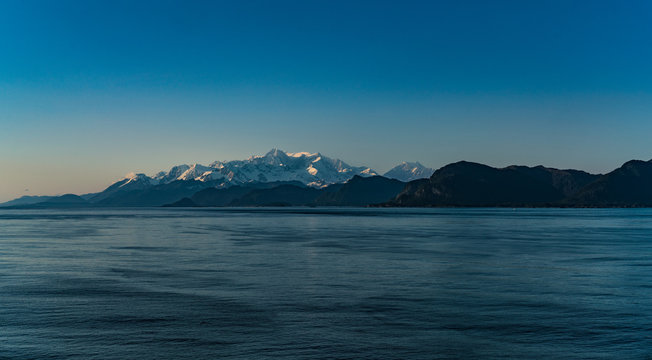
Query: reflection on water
(325, 283)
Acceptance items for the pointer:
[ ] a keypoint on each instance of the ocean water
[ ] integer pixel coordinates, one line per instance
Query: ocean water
(326, 284)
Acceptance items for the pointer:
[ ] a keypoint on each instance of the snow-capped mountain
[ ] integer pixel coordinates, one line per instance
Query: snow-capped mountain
(312, 169)
(408, 171)
(131, 182)
(193, 172)
(173, 174)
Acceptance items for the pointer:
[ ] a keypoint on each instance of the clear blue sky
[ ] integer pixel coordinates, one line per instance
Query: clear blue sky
(90, 90)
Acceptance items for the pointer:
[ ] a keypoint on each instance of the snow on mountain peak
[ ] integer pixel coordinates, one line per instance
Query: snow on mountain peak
(133, 177)
(408, 171)
(193, 172)
(172, 174)
(301, 154)
(312, 169)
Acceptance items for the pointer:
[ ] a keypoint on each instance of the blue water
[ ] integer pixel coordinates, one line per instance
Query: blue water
(327, 284)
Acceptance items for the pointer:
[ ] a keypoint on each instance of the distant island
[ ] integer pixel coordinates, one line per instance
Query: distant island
(311, 179)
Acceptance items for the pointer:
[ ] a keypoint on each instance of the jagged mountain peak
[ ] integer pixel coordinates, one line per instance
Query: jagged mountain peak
(408, 171)
(308, 168)
(193, 172)
(172, 174)
(133, 177)
(410, 164)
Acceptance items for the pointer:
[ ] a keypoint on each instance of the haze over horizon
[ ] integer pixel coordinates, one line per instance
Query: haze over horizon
(90, 91)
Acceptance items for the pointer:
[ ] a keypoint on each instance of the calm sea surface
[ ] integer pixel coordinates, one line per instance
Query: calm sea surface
(327, 284)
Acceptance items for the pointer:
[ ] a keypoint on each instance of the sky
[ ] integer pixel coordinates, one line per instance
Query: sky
(92, 90)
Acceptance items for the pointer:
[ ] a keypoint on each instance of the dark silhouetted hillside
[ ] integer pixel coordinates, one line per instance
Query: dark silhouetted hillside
(471, 184)
(629, 185)
(362, 191)
(284, 195)
(225, 196)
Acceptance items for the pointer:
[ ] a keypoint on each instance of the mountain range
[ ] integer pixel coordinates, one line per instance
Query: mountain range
(279, 178)
(276, 167)
(312, 169)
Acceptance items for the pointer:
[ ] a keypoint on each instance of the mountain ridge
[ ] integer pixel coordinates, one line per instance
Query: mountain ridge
(312, 169)
(465, 184)
(312, 179)
(358, 191)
